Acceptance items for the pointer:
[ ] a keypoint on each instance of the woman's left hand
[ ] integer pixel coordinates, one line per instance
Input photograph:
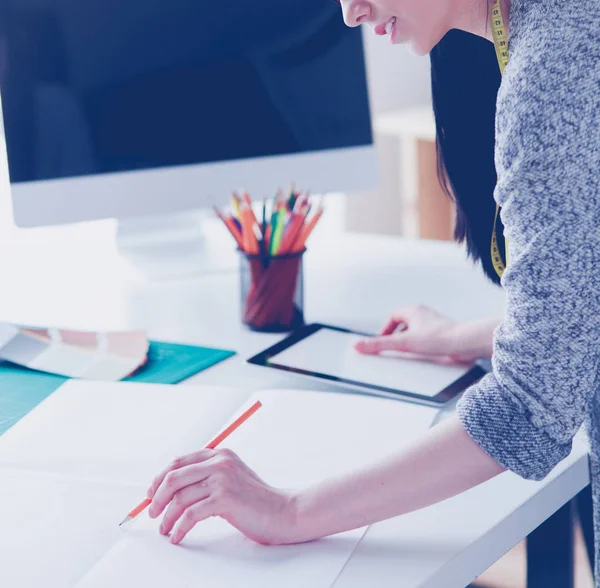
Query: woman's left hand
(212, 483)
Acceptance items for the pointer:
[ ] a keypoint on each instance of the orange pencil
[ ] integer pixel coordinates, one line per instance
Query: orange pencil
(248, 201)
(234, 426)
(294, 230)
(246, 228)
(249, 236)
(212, 445)
(228, 222)
(301, 241)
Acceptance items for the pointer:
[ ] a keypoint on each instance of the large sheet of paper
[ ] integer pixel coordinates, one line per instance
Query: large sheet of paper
(332, 353)
(296, 439)
(116, 431)
(54, 528)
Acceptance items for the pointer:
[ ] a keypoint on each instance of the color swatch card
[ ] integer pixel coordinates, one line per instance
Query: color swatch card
(74, 354)
(22, 389)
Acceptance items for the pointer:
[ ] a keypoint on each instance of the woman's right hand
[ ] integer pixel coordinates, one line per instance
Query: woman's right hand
(431, 336)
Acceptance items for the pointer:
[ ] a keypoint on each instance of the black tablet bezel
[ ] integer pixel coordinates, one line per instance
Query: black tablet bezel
(447, 394)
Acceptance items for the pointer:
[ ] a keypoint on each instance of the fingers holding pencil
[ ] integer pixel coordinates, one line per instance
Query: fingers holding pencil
(204, 473)
(178, 479)
(178, 463)
(224, 486)
(203, 455)
(217, 483)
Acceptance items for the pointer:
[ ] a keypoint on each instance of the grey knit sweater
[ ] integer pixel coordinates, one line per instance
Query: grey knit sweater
(546, 374)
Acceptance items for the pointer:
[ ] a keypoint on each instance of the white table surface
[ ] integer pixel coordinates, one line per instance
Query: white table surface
(73, 277)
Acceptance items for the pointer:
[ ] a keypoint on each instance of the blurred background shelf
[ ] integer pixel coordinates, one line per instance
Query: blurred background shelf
(409, 200)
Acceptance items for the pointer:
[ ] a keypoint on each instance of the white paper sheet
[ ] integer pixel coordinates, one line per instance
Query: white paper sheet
(297, 438)
(332, 353)
(54, 528)
(116, 431)
(7, 333)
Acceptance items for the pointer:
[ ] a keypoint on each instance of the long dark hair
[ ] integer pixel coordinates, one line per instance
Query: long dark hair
(465, 79)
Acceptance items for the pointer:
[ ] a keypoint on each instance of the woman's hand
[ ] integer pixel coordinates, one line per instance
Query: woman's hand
(432, 336)
(212, 483)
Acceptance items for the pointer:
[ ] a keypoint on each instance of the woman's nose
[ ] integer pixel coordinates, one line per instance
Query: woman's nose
(356, 12)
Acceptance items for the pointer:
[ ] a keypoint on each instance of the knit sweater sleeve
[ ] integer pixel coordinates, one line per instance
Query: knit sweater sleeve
(547, 350)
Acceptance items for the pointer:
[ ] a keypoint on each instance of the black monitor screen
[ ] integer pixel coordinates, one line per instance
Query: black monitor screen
(100, 86)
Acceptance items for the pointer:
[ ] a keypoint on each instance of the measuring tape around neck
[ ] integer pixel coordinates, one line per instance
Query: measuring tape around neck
(501, 45)
(499, 35)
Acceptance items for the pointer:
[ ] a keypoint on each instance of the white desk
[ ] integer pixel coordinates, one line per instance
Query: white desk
(73, 277)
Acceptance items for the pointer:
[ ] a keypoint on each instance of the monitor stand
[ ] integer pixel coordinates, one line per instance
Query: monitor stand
(174, 246)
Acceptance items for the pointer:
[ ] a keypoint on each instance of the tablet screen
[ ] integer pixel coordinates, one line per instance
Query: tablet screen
(331, 352)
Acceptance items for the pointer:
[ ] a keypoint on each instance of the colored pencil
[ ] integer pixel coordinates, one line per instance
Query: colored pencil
(235, 203)
(292, 199)
(278, 232)
(281, 229)
(230, 224)
(234, 426)
(308, 229)
(212, 445)
(248, 201)
(264, 251)
(292, 231)
(248, 235)
(273, 225)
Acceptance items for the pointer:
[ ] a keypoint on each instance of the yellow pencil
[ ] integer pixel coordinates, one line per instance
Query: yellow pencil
(235, 204)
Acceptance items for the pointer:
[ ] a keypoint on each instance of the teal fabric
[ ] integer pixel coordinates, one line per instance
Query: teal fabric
(22, 389)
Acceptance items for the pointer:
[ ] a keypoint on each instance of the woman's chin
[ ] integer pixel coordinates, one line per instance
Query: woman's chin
(416, 49)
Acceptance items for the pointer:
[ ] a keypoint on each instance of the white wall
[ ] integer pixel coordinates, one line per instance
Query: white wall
(397, 79)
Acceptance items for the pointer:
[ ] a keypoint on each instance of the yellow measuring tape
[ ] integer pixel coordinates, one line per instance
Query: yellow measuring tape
(499, 35)
(501, 45)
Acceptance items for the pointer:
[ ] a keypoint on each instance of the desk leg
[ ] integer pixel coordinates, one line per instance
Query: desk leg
(550, 551)
(585, 510)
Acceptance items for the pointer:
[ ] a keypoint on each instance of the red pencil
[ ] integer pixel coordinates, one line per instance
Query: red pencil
(212, 445)
(307, 230)
(230, 224)
(294, 230)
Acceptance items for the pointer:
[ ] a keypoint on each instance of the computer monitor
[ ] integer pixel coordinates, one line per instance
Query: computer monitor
(141, 108)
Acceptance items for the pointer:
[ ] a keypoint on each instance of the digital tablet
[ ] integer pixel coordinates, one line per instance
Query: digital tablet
(327, 353)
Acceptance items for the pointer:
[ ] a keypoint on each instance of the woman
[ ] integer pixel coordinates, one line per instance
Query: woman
(522, 416)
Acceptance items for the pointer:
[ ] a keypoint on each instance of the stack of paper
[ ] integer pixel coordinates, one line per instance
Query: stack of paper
(84, 457)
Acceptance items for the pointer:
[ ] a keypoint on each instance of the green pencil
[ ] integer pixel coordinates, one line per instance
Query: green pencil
(278, 231)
